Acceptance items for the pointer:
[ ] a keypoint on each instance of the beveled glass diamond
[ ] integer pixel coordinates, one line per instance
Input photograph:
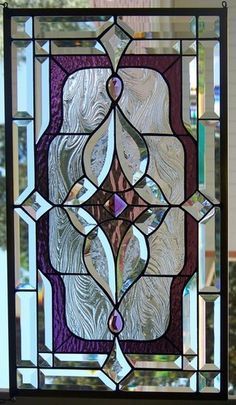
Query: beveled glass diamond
(115, 40)
(115, 205)
(116, 366)
(197, 205)
(36, 205)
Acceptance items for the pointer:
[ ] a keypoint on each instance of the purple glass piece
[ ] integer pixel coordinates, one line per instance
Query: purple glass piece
(115, 322)
(64, 340)
(115, 87)
(115, 205)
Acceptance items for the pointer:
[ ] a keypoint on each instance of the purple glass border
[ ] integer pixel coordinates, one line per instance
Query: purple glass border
(64, 339)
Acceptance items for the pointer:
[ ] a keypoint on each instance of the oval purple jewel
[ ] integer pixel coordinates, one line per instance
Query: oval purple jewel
(115, 322)
(114, 87)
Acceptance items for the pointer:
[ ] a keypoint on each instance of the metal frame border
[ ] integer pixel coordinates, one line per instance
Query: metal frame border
(222, 13)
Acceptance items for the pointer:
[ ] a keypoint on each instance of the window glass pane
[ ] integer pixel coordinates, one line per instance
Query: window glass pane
(116, 147)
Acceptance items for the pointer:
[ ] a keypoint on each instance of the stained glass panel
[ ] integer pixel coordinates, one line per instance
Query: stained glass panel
(115, 144)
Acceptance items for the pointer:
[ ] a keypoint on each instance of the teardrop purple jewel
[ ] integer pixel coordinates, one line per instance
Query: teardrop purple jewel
(115, 322)
(115, 87)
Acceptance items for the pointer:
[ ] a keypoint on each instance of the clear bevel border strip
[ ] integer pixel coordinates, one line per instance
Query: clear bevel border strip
(223, 75)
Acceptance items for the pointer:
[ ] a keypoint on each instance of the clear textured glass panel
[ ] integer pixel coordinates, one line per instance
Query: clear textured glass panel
(22, 79)
(154, 47)
(209, 158)
(65, 152)
(26, 328)
(79, 360)
(190, 317)
(145, 100)
(209, 253)
(189, 94)
(41, 95)
(209, 79)
(160, 26)
(209, 332)
(27, 378)
(25, 251)
(76, 118)
(70, 26)
(21, 27)
(209, 382)
(116, 366)
(71, 379)
(149, 320)
(76, 47)
(155, 361)
(208, 26)
(87, 308)
(44, 313)
(166, 166)
(23, 159)
(160, 381)
(167, 242)
(65, 257)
